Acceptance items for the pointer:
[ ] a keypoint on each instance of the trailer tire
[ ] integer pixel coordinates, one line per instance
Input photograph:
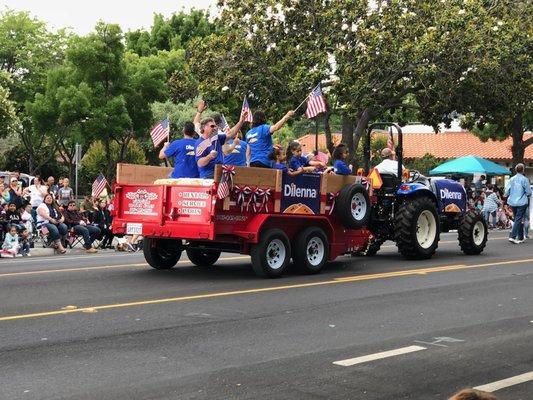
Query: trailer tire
(352, 206)
(473, 233)
(161, 253)
(203, 258)
(416, 228)
(311, 251)
(271, 256)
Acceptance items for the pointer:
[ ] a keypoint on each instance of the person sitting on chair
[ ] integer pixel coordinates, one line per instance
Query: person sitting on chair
(389, 165)
(81, 226)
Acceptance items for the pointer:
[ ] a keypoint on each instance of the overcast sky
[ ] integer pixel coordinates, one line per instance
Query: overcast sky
(82, 16)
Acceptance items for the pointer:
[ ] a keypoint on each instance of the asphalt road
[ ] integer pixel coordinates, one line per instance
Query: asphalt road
(107, 326)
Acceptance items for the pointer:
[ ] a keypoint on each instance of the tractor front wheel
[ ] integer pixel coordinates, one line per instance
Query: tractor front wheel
(473, 233)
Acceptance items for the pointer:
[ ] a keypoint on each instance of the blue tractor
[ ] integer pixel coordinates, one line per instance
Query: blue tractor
(412, 210)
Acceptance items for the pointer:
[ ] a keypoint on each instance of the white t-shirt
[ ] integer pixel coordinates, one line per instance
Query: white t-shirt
(388, 166)
(36, 195)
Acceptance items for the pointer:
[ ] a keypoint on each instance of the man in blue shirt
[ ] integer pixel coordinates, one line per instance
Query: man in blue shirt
(182, 151)
(518, 191)
(259, 138)
(209, 145)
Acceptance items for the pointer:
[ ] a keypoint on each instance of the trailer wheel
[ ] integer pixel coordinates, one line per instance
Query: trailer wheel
(311, 250)
(416, 228)
(161, 253)
(271, 256)
(352, 207)
(473, 233)
(203, 258)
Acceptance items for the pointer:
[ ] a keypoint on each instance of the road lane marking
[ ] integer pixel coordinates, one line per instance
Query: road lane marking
(378, 356)
(504, 383)
(430, 270)
(413, 272)
(81, 269)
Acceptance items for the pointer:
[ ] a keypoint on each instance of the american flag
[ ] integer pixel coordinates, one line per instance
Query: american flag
(315, 103)
(390, 139)
(224, 126)
(99, 184)
(223, 187)
(160, 132)
(246, 107)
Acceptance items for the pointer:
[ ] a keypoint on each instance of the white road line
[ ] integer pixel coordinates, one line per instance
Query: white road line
(378, 356)
(515, 380)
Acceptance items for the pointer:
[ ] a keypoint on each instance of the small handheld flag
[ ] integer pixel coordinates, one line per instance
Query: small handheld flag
(316, 103)
(224, 126)
(246, 108)
(390, 139)
(98, 185)
(160, 132)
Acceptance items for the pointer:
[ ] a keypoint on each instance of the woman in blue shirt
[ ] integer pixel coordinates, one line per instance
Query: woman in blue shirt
(339, 165)
(236, 152)
(182, 151)
(259, 138)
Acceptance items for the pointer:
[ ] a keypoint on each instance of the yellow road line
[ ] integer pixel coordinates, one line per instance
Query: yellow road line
(81, 269)
(261, 290)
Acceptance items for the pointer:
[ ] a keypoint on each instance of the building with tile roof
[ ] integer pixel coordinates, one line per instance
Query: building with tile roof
(445, 146)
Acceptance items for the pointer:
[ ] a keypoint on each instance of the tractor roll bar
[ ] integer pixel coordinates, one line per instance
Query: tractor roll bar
(399, 146)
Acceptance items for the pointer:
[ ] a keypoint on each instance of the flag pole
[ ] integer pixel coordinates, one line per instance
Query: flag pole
(168, 141)
(296, 109)
(316, 134)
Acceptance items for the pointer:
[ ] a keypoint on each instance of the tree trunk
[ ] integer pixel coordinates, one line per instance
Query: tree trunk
(362, 124)
(517, 132)
(347, 136)
(327, 130)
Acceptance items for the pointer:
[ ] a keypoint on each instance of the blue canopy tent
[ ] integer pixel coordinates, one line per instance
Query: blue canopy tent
(469, 165)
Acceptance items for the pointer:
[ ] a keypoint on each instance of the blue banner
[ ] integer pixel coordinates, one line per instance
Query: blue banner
(300, 194)
(450, 195)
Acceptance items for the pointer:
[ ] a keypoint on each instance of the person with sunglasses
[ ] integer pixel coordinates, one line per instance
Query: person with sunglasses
(209, 145)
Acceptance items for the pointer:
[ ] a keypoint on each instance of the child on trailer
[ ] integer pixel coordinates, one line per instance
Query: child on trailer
(299, 164)
(340, 154)
(11, 245)
(278, 159)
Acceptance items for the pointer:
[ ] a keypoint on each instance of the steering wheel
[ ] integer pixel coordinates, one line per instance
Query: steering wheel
(414, 176)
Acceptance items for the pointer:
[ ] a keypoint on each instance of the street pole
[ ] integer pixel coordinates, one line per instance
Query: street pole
(77, 159)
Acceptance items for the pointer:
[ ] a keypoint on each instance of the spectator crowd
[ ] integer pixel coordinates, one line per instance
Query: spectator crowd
(37, 210)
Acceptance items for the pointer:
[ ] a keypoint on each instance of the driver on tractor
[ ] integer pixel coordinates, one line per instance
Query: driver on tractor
(389, 165)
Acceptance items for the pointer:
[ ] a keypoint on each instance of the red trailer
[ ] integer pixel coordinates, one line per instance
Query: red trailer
(271, 216)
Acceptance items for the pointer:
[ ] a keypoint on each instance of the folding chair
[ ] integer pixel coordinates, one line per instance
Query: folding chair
(73, 239)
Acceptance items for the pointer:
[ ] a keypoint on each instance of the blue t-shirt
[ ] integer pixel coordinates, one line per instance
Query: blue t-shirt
(340, 168)
(281, 166)
(238, 156)
(297, 162)
(259, 139)
(204, 147)
(182, 151)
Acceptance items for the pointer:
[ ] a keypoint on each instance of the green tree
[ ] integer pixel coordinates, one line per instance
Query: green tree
(28, 50)
(94, 159)
(495, 91)
(121, 87)
(170, 34)
(424, 164)
(8, 116)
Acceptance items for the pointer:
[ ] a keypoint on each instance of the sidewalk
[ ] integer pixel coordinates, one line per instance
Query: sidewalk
(47, 252)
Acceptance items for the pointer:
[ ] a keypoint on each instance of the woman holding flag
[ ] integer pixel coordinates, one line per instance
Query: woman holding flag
(183, 152)
(259, 138)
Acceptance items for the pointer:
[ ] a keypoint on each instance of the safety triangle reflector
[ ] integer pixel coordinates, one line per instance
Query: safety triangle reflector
(375, 178)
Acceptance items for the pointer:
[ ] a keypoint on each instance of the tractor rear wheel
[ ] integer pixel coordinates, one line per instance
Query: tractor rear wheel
(161, 253)
(416, 228)
(473, 233)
